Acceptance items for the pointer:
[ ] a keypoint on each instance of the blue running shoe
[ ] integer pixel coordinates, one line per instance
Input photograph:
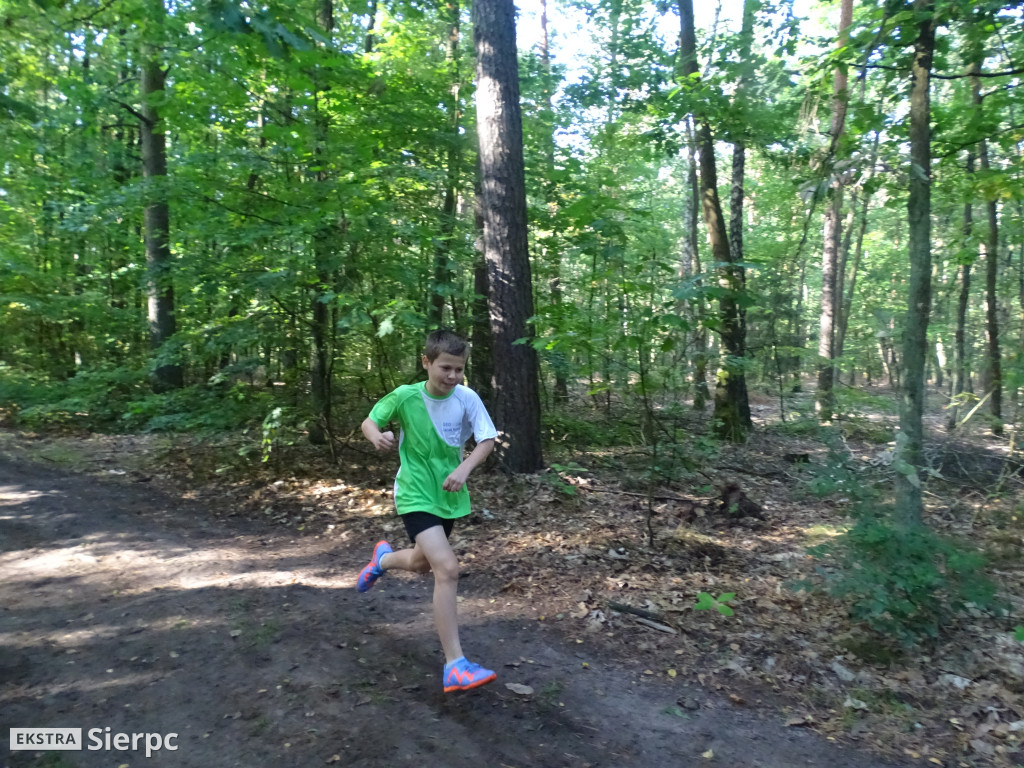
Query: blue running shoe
(373, 571)
(462, 675)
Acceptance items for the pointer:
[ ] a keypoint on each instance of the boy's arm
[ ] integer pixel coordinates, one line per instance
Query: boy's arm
(382, 441)
(457, 479)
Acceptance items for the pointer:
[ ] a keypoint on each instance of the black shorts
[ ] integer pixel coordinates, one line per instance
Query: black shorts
(417, 522)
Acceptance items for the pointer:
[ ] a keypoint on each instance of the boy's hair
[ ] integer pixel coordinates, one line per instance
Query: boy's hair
(442, 341)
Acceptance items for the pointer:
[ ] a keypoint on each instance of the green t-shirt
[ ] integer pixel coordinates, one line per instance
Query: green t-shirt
(433, 432)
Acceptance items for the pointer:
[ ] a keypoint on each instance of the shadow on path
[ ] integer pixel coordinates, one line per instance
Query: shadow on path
(124, 608)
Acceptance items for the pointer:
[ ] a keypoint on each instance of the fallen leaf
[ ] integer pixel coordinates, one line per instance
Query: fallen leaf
(708, 755)
(523, 690)
(333, 759)
(672, 673)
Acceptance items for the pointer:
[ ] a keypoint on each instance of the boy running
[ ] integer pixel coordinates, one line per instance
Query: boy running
(436, 418)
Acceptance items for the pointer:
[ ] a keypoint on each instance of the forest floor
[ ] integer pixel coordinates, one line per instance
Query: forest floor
(156, 584)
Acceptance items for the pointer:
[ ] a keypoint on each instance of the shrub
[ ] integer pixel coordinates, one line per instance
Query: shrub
(92, 399)
(904, 583)
(196, 408)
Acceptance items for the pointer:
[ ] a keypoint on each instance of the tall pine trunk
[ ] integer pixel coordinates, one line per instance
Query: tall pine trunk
(516, 401)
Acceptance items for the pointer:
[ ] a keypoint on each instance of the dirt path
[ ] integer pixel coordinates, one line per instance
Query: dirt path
(124, 608)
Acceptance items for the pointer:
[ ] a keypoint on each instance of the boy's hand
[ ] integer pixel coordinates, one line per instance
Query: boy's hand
(456, 480)
(385, 441)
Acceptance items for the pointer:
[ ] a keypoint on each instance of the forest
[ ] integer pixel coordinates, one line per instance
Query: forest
(666, 233)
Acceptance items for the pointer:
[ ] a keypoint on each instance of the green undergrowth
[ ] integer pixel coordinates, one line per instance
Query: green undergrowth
(120, 399)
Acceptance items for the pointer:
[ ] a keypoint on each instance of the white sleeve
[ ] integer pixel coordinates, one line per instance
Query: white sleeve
(477, 419)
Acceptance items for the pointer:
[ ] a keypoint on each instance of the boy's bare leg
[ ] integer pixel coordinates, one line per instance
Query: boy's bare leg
(433, 552)
(411, 559)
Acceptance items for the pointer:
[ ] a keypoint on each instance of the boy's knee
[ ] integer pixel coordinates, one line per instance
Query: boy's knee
(447, 570)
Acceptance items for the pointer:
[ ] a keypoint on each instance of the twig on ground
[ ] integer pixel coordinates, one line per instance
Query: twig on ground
(648, 496)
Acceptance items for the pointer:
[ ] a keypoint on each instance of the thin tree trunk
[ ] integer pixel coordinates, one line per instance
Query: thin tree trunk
(559, 361)
(963, 299)
(847, 294)
(323, 259)
(370, 40)
(443, 276)
(732, 407)
(830, 299)
(691, 251)
(157, 216)
(736, 192)
(995, 368)
(915, 334)
(516, 403)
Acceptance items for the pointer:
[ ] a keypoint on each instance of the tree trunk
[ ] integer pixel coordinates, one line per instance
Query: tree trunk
(370, 39)
(739, 150)
(995, 368)
(443, 275)
(915, 334)
(732, 408)
(830, 298)
(691, 255)
(960, 334)
(160, 288)
(559, 361)
(516, 403)
(825, 397)
(323, 260)
(850, 284)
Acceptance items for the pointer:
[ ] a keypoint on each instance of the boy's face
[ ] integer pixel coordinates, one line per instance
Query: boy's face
(443, 373)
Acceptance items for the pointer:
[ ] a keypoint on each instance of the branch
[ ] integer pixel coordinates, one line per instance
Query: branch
(76, 21)
(959, 145)
(1004, 73)
(132, 111)
(696, 499)
(937, 76)
(218, 203)
(271, 198)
